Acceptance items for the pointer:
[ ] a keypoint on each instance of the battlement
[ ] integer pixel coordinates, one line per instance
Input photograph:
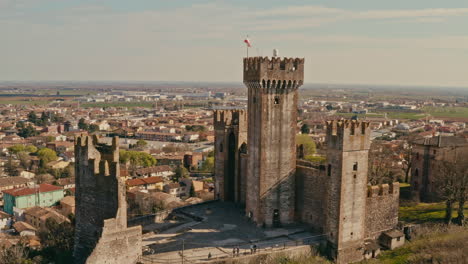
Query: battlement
(383, 190)
(101, 158)
(350, 127)
(348, 135)
(229, 117)
(277, 73)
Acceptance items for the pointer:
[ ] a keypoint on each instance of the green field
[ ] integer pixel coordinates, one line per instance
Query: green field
(25, 102)
(455, 112)
(120, 104)
(426, 212)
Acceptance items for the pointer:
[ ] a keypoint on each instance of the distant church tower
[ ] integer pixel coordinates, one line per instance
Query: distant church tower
(348, 144)
(272, 120)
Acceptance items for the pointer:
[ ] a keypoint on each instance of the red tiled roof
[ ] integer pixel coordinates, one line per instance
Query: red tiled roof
(44, 187)
(135, 182)
(150, 180)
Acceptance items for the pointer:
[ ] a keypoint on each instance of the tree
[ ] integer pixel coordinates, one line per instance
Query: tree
(180, 172)
(141, 143)
(10, 168)
(16, 254)
(24, 159)
(82, 124)
(192, 191)
(28, 131)
(136, 159)
(380, 164)
(32, 117)
(47, 155)
(57, 241)
(452, 186)
(93, 128)
(208, 165)
(305, 129)
(30, 149)
(307, 142)
(15, 149)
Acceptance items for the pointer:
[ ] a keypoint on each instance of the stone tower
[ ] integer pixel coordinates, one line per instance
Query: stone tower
(231, 137)
(272, 108)
(101, 232)
(348, 146)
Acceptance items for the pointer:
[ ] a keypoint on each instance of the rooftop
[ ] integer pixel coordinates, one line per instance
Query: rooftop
(41, 188)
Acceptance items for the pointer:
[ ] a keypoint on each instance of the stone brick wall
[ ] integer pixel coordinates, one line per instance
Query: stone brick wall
(272, 107)
(348, 145)
(228, 179)
(311, 193)
(101, 209)
(382, 208)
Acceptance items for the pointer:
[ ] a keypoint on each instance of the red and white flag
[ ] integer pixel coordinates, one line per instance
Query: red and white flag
(247, 41)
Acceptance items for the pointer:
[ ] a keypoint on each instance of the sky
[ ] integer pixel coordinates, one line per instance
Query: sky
(398, 42)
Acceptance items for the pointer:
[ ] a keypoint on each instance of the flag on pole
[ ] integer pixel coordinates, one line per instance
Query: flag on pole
(247, 41)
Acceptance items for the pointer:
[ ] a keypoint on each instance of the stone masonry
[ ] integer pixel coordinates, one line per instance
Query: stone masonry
(101, 232)
(280, 188)
(272, 108)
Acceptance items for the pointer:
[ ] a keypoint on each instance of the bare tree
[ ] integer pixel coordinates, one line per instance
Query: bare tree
(380, 164)
(15, 254)
(452, 186)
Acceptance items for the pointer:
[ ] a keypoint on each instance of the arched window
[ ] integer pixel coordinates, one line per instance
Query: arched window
(355, 166)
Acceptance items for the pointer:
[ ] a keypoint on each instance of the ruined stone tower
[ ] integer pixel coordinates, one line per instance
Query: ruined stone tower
(231, 136)
(272, 117)
(101, 232)
(348, 146)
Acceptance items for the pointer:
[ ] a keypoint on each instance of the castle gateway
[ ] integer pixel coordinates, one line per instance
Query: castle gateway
(257, 166)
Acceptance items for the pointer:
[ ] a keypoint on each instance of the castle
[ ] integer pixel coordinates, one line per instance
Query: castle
(258, 166)
(101, 232)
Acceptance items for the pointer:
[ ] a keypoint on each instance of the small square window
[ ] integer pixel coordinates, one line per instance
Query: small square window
(277, 100)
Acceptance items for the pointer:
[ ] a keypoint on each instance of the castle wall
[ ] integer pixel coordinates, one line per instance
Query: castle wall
(101, 207)
(381, 208)
(311, 193)
(230, 134)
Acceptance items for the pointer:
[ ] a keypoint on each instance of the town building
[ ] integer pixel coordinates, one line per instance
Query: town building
(43, 195)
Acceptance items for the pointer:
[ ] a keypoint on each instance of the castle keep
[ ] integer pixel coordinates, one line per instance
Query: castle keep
(257, 165)
(101, 232)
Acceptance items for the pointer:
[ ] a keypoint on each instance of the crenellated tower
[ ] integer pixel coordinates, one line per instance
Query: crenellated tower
(101, 208)
(348, 144)
(230, 127)
(272, 108)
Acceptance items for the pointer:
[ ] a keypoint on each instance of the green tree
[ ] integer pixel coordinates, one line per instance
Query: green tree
(136, 159)
(305, 129)
(32, 117)
(93, 128)
(208, 165)
(192, 191)
(28, 131)
(15, 149)
(47, 155)
(307, 142)
(141, 143)
(180, 172)
(30, 149)
(82, 124)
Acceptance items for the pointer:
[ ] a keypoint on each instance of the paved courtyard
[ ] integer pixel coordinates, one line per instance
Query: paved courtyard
(223, 228)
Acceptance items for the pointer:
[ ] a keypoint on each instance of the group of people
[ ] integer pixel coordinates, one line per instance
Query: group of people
(236, 250)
